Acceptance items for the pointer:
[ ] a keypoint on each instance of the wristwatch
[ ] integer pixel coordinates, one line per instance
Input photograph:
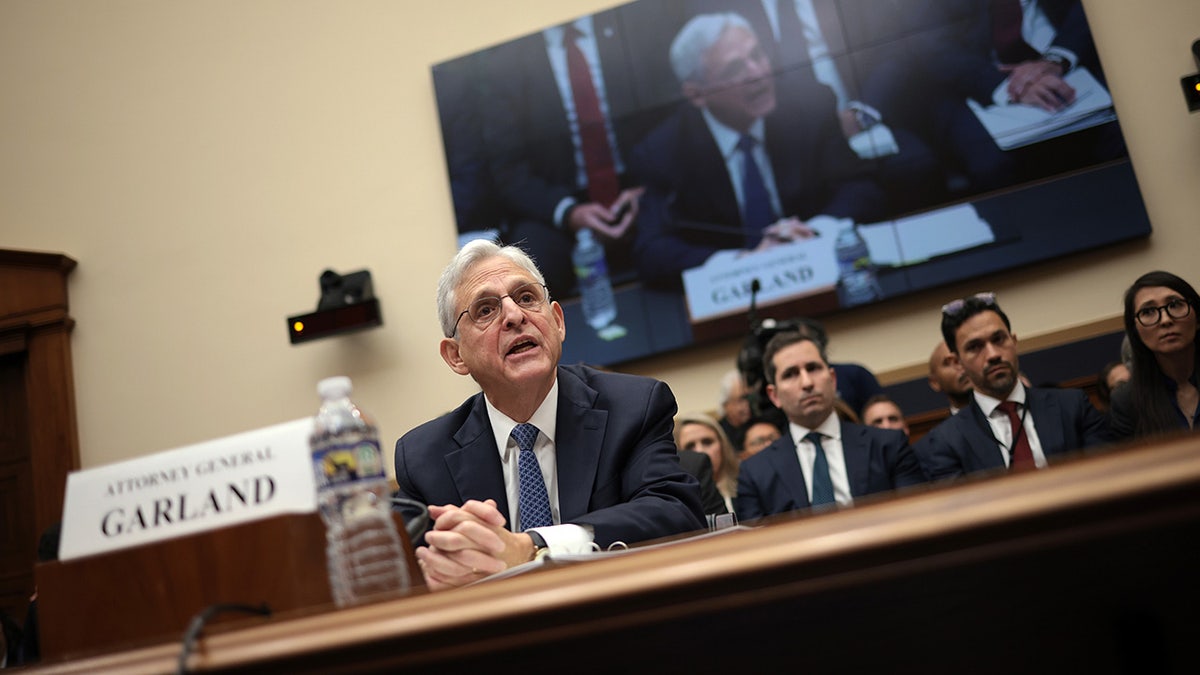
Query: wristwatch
(540, 548)
(1061, 61)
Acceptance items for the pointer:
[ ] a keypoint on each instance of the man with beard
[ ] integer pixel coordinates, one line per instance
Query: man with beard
(1007, 425)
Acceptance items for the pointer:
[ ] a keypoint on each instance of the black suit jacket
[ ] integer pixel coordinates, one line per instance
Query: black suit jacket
(958, 51)
(690, 209)
(877, 460)
(700, 466)
(525, 127)
(618, 469)
(1065, 420)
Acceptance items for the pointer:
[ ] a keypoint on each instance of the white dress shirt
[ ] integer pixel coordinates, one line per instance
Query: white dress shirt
(831, 443)
(1002, 426)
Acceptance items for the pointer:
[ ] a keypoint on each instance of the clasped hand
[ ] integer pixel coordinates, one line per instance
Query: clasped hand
(1039, 83)
(468, 543)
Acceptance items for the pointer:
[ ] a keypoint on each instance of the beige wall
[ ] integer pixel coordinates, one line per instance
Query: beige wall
(203, 161)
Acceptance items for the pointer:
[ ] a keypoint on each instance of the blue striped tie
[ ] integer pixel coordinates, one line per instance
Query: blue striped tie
(533, 506)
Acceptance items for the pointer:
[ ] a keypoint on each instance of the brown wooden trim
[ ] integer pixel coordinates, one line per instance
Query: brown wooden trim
(938, 530)
(1035, 343)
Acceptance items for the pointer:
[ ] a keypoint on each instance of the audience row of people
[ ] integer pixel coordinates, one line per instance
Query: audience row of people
(551, 459)
(998, 423)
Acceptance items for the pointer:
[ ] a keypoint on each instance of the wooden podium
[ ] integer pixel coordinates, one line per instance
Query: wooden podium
(148, 594)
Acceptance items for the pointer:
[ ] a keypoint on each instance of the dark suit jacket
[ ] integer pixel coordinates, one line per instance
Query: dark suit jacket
(1066, 421)
(617, 465)
(690, 209)
(700, 466)
(877, 460)
(525, 127)
(958, 52)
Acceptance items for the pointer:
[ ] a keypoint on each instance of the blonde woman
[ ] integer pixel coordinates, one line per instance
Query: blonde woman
(701, 433)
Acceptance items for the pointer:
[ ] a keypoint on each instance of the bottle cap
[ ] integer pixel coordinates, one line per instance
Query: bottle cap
(334, 387)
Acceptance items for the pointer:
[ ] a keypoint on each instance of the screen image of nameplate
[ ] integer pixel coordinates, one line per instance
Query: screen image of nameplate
(226, 481)
(721, 285)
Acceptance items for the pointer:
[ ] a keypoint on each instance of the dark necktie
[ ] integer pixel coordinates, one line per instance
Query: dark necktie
(1006, 33)
(533, 506)
(757, 212)
(1022, 454)
(603, 186)
(822, 484)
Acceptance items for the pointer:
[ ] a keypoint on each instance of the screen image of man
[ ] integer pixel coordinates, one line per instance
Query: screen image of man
(545, 456)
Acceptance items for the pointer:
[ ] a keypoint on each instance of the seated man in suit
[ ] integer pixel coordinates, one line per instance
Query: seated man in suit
(1007, 424)
(581, 455)
(733, 171)
(821, 461)
(882, 412)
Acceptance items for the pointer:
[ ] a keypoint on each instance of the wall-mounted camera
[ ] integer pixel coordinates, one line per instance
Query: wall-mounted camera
(1191, 83)
(347, 304)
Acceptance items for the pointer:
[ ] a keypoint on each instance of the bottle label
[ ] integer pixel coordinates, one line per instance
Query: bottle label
(343, 464)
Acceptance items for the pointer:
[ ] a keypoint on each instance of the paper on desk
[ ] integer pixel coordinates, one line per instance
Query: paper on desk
(918, 238)
(1016, 124)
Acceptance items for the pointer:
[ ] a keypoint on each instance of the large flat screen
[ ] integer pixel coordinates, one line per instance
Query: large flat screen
(747, 158)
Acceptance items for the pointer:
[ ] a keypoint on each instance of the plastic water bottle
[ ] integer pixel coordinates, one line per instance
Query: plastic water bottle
(599, 305)
(857, 282)
(363, 552)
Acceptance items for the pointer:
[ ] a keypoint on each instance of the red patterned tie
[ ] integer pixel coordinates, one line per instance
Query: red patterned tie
(1006, 33)
(603, 186)
(1022, 454)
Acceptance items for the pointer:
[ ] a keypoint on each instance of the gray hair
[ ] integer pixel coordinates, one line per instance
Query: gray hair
(729, 380)
(695, 39)
(473, 253)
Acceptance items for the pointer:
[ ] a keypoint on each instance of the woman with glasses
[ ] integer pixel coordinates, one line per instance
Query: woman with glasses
(1160, 322)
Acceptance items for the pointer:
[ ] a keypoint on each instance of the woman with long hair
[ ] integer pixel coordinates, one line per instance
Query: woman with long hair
(702, 433)
(1160, 322)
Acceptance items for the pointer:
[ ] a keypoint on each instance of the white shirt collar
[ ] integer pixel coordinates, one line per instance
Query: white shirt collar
(727, 138)
(988, 404)
(830, 428)
(544, 418)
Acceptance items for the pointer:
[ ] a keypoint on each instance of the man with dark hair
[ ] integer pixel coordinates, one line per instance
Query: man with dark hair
(1007, 424)
(822, 461)
(882, 412)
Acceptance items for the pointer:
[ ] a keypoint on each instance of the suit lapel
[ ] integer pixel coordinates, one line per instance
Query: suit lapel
(786, 461)
(1046, 414)
(580, 438)
(980, 441)
(475, 465)
(856, 452)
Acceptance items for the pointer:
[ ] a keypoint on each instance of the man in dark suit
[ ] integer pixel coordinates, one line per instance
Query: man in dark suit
(821, 462)
(557, 164)
(733, 170)
(546, 457)
(969, 53)
(1006, 424)
(856, 50)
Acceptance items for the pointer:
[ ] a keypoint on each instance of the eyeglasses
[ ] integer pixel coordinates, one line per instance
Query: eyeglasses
(1177, 308)
(484, 310)
(955, 307)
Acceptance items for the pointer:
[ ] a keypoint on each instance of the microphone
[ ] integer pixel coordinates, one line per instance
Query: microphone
(752, 313)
